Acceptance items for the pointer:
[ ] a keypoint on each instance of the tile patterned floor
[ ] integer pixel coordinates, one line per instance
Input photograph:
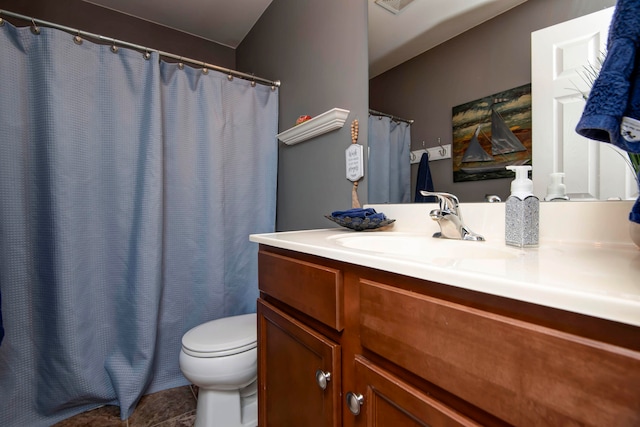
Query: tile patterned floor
(168, 408)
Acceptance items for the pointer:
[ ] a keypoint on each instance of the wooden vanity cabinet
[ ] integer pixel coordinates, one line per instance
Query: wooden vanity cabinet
(407, 352)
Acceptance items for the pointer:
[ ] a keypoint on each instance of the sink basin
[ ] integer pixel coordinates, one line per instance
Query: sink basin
(423, 246)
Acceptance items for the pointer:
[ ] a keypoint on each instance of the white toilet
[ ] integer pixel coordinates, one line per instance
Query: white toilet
(221, 357)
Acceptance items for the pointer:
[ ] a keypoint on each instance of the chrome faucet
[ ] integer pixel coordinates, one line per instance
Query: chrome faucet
(449, 218)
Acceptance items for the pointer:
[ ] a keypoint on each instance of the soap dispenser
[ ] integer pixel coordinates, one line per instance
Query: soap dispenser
(522, 211)
(556, 190)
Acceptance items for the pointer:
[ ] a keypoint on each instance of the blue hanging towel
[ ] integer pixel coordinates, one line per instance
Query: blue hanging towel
(424, 181)
(612, 112)
(1, 328)
(634, 215)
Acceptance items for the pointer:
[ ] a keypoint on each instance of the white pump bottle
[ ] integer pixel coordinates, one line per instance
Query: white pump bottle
(522, 211)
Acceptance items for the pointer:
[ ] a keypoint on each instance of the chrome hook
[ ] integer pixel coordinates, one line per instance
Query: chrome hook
(77, 39)
(181, 64)
(114, 48)
(146, 55)
(443, 151)
(204, 68)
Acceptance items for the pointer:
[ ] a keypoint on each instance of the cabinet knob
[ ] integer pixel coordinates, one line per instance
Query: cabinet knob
(354, 402)
(322, 378)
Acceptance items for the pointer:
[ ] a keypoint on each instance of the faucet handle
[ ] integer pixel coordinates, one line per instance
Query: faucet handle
(448, 202)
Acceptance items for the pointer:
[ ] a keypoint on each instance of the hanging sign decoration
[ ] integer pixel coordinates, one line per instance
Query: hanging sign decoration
(354, 156)
(355, 164)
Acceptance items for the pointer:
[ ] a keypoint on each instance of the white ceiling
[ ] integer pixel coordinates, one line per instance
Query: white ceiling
(393, 39)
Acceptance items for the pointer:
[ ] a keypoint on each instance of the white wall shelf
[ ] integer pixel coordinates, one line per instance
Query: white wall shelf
(325, 122)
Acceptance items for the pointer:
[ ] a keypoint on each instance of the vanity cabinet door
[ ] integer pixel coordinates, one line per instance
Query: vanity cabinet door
(385, 400)
(299, 374)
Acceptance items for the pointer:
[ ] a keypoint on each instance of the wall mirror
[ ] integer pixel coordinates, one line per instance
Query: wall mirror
(486, 58)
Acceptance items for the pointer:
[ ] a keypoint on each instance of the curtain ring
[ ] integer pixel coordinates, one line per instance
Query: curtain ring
(229, 77)
(114, 48)
(146, 55)
(253, 83)
(77, 39)
(34, 28)
(181, 64)
(1, 22)
(204, 68)
(273, 88)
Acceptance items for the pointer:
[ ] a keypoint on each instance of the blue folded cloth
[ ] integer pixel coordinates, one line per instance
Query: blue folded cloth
(359, 213)
(612, 112)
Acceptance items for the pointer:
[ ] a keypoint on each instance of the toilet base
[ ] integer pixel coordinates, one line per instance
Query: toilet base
(226, 408)
(250, 411)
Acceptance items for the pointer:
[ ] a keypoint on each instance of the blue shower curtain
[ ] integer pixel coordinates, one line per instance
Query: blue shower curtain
(389, 164)
(128, 189)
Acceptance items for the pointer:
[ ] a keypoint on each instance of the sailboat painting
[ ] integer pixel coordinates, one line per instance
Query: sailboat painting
(491, 133)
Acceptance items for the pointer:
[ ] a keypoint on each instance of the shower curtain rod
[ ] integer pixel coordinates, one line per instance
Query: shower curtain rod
(252, 78)
(378, 113)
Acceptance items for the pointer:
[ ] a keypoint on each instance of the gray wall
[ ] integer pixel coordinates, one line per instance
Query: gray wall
(318, 49)
(489, 58)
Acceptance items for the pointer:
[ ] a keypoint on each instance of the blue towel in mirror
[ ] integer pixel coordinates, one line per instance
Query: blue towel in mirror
(424, 181)
(1, 328)
(612, 112)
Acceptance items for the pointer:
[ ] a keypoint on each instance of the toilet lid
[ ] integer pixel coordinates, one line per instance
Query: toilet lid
(227, 335)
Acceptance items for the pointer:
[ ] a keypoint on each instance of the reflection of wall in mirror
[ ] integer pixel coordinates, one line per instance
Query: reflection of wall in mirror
(489, 58)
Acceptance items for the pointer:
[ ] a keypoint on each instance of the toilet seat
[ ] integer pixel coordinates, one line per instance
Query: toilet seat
(222, 337)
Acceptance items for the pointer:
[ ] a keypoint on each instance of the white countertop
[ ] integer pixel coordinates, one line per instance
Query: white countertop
(580, 266)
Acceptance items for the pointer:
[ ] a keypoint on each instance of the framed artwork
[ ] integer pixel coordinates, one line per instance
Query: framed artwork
(491, 133)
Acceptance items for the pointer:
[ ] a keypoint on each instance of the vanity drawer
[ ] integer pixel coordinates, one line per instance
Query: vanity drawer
(523, 373)
(313, 289)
